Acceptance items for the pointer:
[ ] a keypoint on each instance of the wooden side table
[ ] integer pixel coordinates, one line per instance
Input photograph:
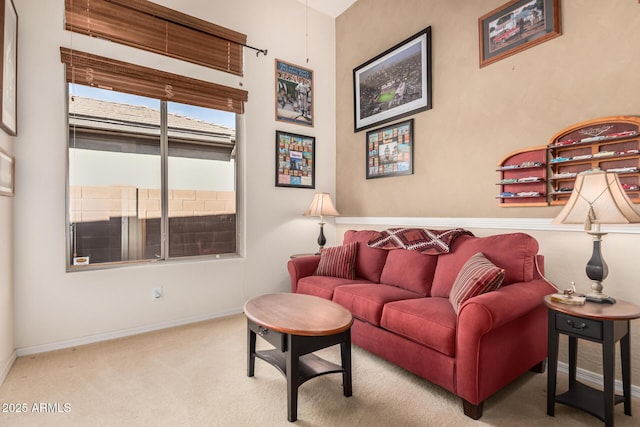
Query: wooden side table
(602, 323)
(297, 325)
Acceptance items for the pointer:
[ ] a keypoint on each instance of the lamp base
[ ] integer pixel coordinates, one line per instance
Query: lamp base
(600, 299)
(596, 294)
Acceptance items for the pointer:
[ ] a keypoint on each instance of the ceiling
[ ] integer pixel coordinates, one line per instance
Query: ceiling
(332, 8)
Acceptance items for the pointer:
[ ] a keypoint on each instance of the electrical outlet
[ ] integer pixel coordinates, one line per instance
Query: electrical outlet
(156, 293)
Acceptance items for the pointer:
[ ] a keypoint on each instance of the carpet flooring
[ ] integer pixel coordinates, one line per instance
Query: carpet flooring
(195, 375)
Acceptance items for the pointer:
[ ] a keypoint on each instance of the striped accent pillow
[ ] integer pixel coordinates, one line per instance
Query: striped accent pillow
(338, 261)
(478, 276)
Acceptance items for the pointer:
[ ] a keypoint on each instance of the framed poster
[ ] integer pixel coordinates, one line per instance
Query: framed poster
(390, 150)
(394, 84)
(294, 94)
(516, 26)
(295, 160)
(9, 67)
(7, 174)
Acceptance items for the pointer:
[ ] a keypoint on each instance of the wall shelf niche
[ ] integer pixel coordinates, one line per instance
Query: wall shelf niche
(523, 178)
(610, 143)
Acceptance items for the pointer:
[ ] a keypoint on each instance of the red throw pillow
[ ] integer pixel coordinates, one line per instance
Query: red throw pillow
(478, 276)
(338, 261)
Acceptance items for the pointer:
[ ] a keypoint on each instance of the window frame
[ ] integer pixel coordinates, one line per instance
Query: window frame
(164, 142)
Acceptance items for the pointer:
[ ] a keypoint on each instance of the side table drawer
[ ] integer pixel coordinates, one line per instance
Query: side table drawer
(578, 326)
(275, 338)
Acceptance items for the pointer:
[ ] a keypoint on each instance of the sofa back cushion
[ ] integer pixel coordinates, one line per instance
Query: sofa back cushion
(409, 270)
(514, 252)
(369, 261)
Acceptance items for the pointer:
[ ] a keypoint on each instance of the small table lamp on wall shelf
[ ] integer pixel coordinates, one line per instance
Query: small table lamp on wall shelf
(597, 198)
(321, 206)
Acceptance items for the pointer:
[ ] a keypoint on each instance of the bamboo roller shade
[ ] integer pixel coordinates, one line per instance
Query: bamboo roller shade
(154, 28)
(97, 71)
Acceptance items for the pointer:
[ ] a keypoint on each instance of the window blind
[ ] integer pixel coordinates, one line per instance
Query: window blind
(154, 28)
(106, 73)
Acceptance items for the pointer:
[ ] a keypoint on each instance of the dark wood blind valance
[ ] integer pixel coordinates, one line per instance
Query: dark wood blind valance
(97, 71)
(154, 28)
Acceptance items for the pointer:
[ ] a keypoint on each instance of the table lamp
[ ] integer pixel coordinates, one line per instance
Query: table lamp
(321, 206)
(597, 198)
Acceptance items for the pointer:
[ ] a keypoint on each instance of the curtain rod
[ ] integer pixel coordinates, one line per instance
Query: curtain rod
(258, 51)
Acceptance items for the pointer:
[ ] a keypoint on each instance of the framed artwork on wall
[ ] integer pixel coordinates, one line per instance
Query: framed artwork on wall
(390, 150)
(9, 67)
(516, 26)
(7, 174)
(294, 94)
(394, 84)
(295, 160)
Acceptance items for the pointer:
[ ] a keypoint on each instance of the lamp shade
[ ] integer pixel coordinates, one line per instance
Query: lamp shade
(598, 198)
(321, 205)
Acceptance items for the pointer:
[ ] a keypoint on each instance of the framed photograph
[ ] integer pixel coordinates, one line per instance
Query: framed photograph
(516, 26)
(7, 174)
(9, 67)
(294, 94)
(295, 160)
(394, 84)
(390, 150)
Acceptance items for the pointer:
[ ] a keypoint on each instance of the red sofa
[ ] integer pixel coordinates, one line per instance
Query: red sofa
(400, 301)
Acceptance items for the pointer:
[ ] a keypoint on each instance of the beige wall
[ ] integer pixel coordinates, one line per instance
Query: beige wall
(481, 114)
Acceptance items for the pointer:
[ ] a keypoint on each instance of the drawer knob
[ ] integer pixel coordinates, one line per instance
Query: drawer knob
(580, 327)
(262, 331)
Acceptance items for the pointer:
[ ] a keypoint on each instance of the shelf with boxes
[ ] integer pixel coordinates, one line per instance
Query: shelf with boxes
(610, 143)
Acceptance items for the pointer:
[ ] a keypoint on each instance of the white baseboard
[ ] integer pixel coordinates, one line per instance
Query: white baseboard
(596, 379)
(7, 367)
(59, 345)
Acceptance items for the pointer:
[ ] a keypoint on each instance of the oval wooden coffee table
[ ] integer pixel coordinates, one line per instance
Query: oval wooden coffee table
(297, 325)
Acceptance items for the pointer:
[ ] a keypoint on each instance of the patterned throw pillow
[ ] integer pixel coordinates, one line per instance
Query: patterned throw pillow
(338, 261)
(478, 276)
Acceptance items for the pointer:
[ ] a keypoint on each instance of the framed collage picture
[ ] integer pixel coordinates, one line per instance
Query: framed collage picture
(294, 94)
(295, 160)
(394, 84)
(390, 150)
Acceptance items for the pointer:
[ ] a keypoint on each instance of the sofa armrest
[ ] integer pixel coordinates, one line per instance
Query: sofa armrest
(500, 335)
(300, 267)
(503, 305)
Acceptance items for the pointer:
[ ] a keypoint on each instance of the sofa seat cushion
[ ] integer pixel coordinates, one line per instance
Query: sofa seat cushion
(514, 252)
(366, 300)
(409, 270)
(427, 321)
(322, 286)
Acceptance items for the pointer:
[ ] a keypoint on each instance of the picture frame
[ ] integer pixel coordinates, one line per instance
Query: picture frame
(390, 150)
(516, 26)
(295, 160)
(294, 94)
(9, 67)
(7, 174)
(394, 84)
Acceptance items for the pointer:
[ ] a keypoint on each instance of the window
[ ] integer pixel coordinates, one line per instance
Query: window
(149, 179)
